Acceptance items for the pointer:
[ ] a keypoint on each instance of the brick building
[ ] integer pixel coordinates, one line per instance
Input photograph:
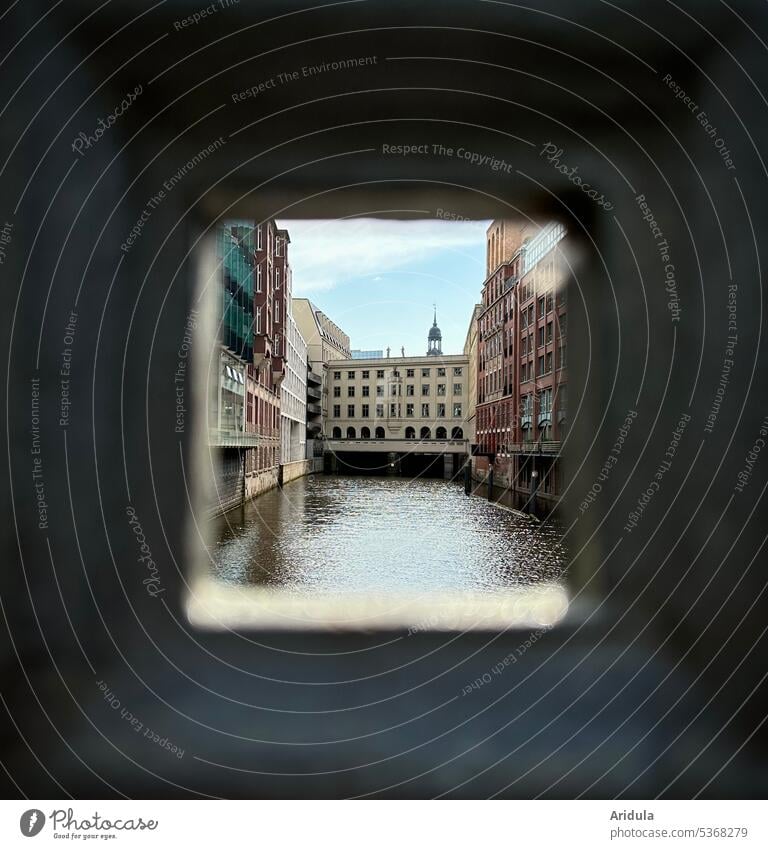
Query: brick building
(244, 407)
(522, 378)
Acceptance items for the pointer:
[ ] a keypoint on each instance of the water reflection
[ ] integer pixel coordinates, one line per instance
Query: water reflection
(391, 535)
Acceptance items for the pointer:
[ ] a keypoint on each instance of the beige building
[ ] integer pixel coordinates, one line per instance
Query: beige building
(398, 398)
(326, 341)
(470, 351)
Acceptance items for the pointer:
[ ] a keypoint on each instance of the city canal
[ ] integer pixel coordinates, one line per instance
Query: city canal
(335, 534)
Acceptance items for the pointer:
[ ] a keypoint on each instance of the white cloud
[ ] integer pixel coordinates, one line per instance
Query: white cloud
(325, 254)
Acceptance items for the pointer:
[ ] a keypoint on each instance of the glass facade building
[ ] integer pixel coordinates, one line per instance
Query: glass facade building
(235, 243)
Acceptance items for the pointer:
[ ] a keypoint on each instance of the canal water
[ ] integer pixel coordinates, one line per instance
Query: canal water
(327, 534)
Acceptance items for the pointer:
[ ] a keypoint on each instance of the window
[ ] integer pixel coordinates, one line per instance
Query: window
(393, 411)
(550, 303)
(562, 400)
(425, 372)
(524, 345)
(457, 371)
(258, 278)
(366, 391)
(457, 389)
(277, 278)
(366, 374)
(409, 410)
(350, 375)
(258, 320)
(549, 331)
(441, 372)
(563, 356)
(350, 391)
(337, 392)
(548, 363)
(409, 372)
(337, 375)
(258, 238)
(541, 336)
(366, 409)
(541, 366)
(410, 389)
(379, 391)
(395, 373)
(337, 411)
(394, 389)
(380, 411)
(380, 373)
(441, 389)
(351, 411)
(563, 324)
(441, 411)
(457, 411)
(425, 389)
(425, 411)
(541, 307)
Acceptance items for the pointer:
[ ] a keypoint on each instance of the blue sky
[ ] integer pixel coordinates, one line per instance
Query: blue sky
(377, 279)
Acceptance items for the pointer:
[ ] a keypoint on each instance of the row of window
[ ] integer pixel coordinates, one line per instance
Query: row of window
(500, 314)
(396, 389)
(279, 241)
(410, 433)
(493, 380)
(502, 342)
(395, 411)
(410, 372)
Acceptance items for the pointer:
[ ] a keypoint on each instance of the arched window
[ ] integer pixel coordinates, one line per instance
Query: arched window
(441, 433)
(337, 433)
(425, 433)
(379, 433)
(410, 433)
(457, 433)
(350, 433)
(365, 433)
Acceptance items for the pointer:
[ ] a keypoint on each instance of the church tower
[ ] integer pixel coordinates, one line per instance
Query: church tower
(435, 340)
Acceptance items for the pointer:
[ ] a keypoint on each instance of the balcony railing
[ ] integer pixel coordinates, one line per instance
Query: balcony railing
(547, 447)
(239, 438)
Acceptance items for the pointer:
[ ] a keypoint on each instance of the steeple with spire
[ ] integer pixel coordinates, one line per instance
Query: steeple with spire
(435, 339)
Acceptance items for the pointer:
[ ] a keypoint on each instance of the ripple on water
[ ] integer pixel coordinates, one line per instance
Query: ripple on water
(338, 535)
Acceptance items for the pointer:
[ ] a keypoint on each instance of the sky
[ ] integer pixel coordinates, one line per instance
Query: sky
(378, 279)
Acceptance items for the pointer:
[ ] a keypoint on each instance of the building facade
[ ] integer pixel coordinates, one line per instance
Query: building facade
(471, 353)
(398, 398)
(293, 389)
(325, 342)
(253, 353)
(521, 376)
